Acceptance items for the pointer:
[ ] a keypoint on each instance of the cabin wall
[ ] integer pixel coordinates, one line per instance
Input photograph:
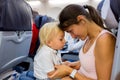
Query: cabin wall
(53, 9)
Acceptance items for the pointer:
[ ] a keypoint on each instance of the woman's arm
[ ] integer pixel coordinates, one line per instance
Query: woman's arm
(104, 53)
(63, 70)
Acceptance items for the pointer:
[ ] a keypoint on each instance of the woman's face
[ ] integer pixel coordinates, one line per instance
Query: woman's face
(78, 31)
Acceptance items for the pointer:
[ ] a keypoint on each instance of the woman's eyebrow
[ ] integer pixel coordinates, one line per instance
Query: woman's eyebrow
(68, 31)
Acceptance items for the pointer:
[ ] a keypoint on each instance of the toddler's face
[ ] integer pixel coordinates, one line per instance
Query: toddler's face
(58, 41)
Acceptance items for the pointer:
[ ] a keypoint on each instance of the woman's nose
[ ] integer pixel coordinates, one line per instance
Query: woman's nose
(73, 35)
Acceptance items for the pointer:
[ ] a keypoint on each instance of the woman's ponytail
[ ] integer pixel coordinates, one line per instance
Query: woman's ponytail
(94, 15)
(69, 14)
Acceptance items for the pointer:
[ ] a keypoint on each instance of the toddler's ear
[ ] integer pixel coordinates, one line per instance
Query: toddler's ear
(48, 43)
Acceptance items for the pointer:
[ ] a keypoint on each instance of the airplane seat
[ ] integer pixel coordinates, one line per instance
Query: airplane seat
(114, 4)
(115, 75)
(39, 21)
(107, 14)
(15, 32)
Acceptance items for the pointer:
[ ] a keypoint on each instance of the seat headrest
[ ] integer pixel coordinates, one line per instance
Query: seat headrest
(115, 6)
(41, 20)
(15, 15)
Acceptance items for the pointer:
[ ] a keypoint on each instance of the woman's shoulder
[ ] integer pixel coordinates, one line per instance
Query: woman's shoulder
(106, 41)
(105, 45)
(105, 37)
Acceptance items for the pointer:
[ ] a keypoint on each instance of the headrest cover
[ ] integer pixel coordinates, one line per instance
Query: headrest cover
(15, 15)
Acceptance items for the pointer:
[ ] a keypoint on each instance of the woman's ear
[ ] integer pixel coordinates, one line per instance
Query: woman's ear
(81, 19)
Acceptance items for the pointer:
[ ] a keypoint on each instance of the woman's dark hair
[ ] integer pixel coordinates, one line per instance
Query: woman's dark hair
(69, 14)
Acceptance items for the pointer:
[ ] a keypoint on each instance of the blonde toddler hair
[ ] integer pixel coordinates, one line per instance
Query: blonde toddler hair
(48, 32)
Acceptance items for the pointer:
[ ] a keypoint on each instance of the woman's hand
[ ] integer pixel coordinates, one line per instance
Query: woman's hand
(74, 65)
(61, 71)
(67, 63)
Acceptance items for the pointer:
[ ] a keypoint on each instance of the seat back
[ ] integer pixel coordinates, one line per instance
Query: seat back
(39, 21)
(116, 64)
(115, 6)
(15, 32)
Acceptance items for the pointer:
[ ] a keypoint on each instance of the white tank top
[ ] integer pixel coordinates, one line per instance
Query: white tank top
(87, 60)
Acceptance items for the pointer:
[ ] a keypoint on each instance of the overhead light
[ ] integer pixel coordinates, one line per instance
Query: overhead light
(66, 1)
(34, 3)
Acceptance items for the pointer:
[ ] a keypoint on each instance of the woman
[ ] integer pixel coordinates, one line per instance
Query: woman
(96, 55)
